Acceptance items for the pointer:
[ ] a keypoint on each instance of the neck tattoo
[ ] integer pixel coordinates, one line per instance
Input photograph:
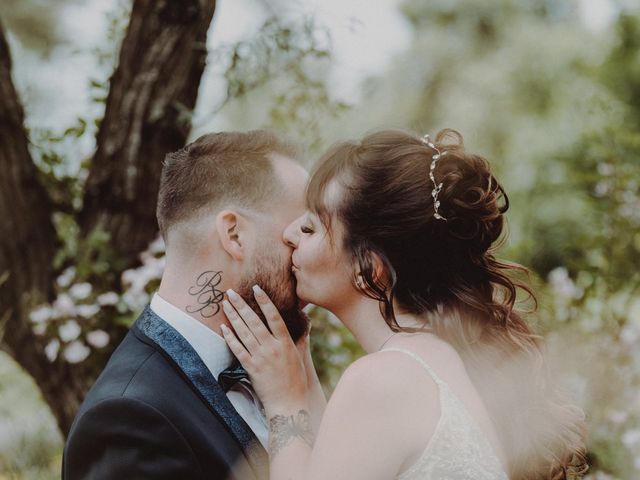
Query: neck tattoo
(206, 294)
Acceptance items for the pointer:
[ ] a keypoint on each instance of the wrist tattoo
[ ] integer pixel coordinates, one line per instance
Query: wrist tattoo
(207, 295)
(284, 428)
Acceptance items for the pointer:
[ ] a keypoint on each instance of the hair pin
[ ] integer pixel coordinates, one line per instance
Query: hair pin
(436, 186)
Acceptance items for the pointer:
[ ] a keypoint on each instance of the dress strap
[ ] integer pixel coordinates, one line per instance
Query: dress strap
(439, 382)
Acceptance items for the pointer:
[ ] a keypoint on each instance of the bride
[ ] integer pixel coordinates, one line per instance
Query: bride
(398, 243)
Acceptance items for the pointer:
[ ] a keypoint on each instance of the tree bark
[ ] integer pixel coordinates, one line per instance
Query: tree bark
(28, 242)
(152, 93)
(148, 114)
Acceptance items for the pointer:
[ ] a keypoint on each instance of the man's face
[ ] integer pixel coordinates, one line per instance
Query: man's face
(271, 262)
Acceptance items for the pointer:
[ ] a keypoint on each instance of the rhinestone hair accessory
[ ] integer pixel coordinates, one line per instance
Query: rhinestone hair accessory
(436, 186)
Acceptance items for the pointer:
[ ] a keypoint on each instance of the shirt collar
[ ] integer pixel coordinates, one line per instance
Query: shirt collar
(209, 346)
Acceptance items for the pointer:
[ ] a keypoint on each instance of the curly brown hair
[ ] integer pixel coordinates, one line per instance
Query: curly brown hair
(446, 272)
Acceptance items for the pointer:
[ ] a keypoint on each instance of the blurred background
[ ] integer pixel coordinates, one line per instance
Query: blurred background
(547, 90)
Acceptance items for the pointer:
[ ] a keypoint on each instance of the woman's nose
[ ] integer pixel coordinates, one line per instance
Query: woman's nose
(291, 234)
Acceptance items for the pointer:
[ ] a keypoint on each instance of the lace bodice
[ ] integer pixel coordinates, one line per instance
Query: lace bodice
(458, 449)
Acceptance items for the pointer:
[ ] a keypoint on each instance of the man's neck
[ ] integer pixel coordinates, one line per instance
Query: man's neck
(199, 295)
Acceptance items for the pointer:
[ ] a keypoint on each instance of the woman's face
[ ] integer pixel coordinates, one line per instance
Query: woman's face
(322, 268)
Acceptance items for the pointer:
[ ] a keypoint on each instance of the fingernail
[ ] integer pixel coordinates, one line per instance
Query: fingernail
(226, 305)
(224, 328)
(233, 295)
(258, 291)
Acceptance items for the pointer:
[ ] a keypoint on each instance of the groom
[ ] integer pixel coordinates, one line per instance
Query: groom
(170, 404)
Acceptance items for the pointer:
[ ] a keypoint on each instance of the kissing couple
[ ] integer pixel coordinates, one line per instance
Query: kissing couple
(395, 235)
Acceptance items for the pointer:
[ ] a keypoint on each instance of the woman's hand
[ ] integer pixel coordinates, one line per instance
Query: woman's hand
(272, 360)
(316, 396)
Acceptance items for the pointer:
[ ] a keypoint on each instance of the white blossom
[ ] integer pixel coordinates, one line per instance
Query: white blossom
(146, 256)
(618, 416)
(87, 311)
(157, 246)
(64, 306)
(155, 268)
(41, 314)
(631, 438)
(629, 334)
(137, 279)
(98, 338)
(135, 300)
(80, 291)
(68, 331)
(128, 276)
(76, 352)
(602, 188)
(591, 323)
(338, 358)
(39, 328)
(605, 169)
(562, 284)
(109, 298)
(52, 349)
(628, 196)
(334, 339)
(64, 280)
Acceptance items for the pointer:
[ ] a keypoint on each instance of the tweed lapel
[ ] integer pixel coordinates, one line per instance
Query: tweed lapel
(185, 357)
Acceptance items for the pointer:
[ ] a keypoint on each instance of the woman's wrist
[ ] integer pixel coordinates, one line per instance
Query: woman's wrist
(287, 406)
(295, 427)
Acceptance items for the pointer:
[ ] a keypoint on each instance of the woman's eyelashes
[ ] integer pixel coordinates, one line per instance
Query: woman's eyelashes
(306, 229)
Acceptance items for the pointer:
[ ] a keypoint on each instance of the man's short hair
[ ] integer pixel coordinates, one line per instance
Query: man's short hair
(217, 169)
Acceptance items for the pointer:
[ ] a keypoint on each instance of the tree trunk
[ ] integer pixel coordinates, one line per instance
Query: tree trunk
(28, 242)
(153, 92)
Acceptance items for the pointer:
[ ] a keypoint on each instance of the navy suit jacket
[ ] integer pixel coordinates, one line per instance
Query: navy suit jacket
(157, 412)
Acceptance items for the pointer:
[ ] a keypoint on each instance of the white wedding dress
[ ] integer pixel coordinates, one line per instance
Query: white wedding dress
(458, 449)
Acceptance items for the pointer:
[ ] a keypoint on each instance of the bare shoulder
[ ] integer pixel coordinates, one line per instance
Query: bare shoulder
(378, 416)
(440, 355)
(386, 375)
(386, 392)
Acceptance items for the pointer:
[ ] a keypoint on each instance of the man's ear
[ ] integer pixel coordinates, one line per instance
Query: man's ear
(230, 228)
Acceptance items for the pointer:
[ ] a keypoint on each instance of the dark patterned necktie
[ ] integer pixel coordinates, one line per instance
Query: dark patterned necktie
(232, 375)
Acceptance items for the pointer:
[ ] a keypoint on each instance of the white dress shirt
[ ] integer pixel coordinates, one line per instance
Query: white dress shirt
(214, 352)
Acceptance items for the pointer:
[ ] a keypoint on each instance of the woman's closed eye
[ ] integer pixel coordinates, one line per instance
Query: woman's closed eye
(306, 229)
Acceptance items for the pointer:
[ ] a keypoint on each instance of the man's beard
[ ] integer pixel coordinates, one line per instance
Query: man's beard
(273, 274)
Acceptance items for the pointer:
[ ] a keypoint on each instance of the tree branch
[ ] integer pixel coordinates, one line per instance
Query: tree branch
(161, 62)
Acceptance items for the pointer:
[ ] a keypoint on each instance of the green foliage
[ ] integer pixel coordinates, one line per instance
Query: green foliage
(621, 71)
(63, 177)
(606, 172)
(286, 61)
(92, 256)
(332, 347)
